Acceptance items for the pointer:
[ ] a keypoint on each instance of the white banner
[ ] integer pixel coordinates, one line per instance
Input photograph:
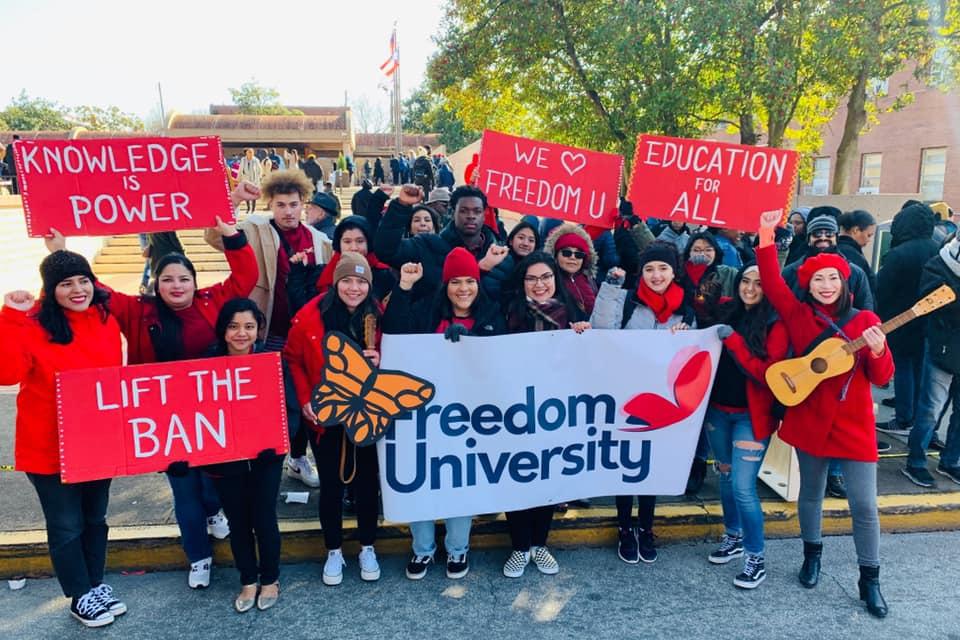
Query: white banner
(540, 418)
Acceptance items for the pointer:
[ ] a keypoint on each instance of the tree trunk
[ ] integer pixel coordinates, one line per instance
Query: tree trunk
(748, 131)
(852, 126)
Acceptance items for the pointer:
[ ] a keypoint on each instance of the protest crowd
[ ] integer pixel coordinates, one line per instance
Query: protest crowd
(420, 257)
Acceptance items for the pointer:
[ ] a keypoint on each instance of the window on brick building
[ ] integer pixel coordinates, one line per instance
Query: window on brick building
(933, 166)
(870, 164)
(820, 185)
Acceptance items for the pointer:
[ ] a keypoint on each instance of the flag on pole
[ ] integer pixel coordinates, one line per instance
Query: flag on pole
(393, 62)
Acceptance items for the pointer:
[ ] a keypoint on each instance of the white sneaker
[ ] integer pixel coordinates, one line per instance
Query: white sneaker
(516, 563)
(217, 525)
(369, 567)
(333, 568)
(199, 576)
(301, 469)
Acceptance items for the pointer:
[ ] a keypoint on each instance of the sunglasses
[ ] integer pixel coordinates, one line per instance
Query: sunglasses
(544, 279)
(573, 253)
(823, 233)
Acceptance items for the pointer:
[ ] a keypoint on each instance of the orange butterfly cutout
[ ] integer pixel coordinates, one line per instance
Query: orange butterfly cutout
(365, 400)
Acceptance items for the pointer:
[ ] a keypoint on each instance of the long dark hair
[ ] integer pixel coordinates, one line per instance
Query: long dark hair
(54, 321)
(753, 323)
(336, 316)
(231, 308)
(442, 309)
(167, 338)
(516, 304)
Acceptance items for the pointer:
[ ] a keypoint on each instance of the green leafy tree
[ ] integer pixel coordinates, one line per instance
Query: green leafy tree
(423, 113)
(35, 114)
(255, 99)
(106, 119)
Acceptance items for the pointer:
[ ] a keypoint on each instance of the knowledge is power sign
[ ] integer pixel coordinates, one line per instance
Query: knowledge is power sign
(624, 420)
(111, 186)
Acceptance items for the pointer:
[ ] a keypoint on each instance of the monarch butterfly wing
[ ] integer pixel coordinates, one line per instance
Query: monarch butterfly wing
(345, 364)
(397, 392)
(331, 404)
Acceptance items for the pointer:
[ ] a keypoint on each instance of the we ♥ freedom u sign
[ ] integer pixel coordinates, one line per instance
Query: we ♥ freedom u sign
(713, 183)
(122, 421)
(122, 185)
(553, 180)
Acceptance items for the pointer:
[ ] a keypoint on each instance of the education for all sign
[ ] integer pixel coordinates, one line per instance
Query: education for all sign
(718, 184)
(553, 180)
(121, 421)
(122, 185)
(570, 416)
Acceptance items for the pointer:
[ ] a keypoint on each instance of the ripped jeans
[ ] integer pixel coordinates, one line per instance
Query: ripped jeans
(736, 450)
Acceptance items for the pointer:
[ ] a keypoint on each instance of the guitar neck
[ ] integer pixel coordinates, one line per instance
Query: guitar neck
(888, 326)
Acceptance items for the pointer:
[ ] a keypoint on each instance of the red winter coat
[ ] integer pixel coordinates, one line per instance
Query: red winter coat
(824, 425)
(136, 314)
(29, 358)
(759, 397)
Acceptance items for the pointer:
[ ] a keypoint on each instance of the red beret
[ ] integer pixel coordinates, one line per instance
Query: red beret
(822, 261)
(574, 240)
(460, 263)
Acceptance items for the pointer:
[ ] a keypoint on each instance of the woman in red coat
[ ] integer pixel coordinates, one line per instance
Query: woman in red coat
(836, 421)
(70, 328)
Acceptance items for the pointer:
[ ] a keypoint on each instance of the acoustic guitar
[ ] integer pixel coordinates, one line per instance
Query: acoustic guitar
(793, 380)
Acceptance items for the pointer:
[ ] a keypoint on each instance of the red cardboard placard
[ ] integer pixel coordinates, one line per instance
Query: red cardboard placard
(718, 184)
(112, 186)
(121, 421)
(553, 180)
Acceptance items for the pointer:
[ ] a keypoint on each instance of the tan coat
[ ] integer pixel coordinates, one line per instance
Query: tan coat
(265, 243)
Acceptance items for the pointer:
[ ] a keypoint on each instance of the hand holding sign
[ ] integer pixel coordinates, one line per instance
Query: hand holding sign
(225, 229)
(54, 241)
(19, 300)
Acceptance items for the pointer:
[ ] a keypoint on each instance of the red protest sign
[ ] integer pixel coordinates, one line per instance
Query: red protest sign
(122, 421)
(122, 185)
(718, 184)
(553, 180)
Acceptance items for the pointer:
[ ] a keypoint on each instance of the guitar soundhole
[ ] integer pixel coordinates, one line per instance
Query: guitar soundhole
(819, 365)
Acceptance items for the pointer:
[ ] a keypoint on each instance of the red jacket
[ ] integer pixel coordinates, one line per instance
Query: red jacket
(582, 290)
(29, 358)
(304, 349)
(823, 424)
(136, 314)
(759, 397)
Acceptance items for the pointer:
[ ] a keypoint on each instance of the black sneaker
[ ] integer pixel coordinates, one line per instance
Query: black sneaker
(950, 472)
(107, 597)
(730, 547)
(889, 402)
(835, 487)
(90, 610)
(894, 427)
(753, 573)
(417, 567)
(936, 444)
(883, 446)
(457, 566)
(648, 552)
(919, 476)
(627, 547)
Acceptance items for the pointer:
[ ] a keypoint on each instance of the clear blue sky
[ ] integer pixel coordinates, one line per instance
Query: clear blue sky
(111, 52)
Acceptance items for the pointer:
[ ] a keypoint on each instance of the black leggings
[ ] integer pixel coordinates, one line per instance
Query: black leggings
(366, 487)
(249, 500)
(645, 508)
(530, 527)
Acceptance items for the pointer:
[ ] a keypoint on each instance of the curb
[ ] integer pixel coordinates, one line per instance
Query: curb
(157, 547)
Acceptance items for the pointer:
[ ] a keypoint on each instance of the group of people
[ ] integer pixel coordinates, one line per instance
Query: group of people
(298, 273)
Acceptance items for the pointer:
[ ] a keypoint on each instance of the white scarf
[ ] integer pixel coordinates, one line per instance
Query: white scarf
(950, 254)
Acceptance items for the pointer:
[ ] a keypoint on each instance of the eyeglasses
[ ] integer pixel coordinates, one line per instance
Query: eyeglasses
(823, 233)
(573, 253)
(544, 279)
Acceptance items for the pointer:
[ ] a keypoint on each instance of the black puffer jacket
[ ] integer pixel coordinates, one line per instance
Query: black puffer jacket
(852, 251)
(943, 331)
(403, 316)
(898, 281)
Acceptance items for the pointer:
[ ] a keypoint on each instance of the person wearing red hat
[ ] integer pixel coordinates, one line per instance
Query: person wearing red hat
(572, 248)
(458, 308)
(837, 420)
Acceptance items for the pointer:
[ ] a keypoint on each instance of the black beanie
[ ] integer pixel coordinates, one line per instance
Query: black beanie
(60, 265)
(660, 251)
(351, 222)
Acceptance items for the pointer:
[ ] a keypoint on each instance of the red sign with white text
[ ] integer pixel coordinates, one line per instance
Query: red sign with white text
(717, 184)
(122, 421)
(112, 186)
(553, 180)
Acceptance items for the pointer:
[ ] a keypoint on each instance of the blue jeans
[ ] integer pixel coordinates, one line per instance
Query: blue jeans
(936, 385)
(732, 433)
(194, 500)
(456, 542)
(906, 384)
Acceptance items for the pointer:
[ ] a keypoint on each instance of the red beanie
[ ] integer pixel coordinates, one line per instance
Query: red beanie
(460, 263)
(822, 261)
(574, 240)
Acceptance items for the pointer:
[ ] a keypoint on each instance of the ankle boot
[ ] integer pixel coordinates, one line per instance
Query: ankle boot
(810, 571)
(870, 591)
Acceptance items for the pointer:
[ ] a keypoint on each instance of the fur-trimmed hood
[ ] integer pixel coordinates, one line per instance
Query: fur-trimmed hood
(590, 264)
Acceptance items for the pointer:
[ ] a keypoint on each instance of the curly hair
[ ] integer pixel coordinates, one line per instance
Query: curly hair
(288, 181)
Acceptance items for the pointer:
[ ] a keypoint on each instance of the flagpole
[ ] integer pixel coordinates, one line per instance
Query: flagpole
(397, 102)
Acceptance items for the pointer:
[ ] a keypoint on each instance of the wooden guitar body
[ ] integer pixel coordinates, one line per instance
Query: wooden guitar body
(793, 380)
